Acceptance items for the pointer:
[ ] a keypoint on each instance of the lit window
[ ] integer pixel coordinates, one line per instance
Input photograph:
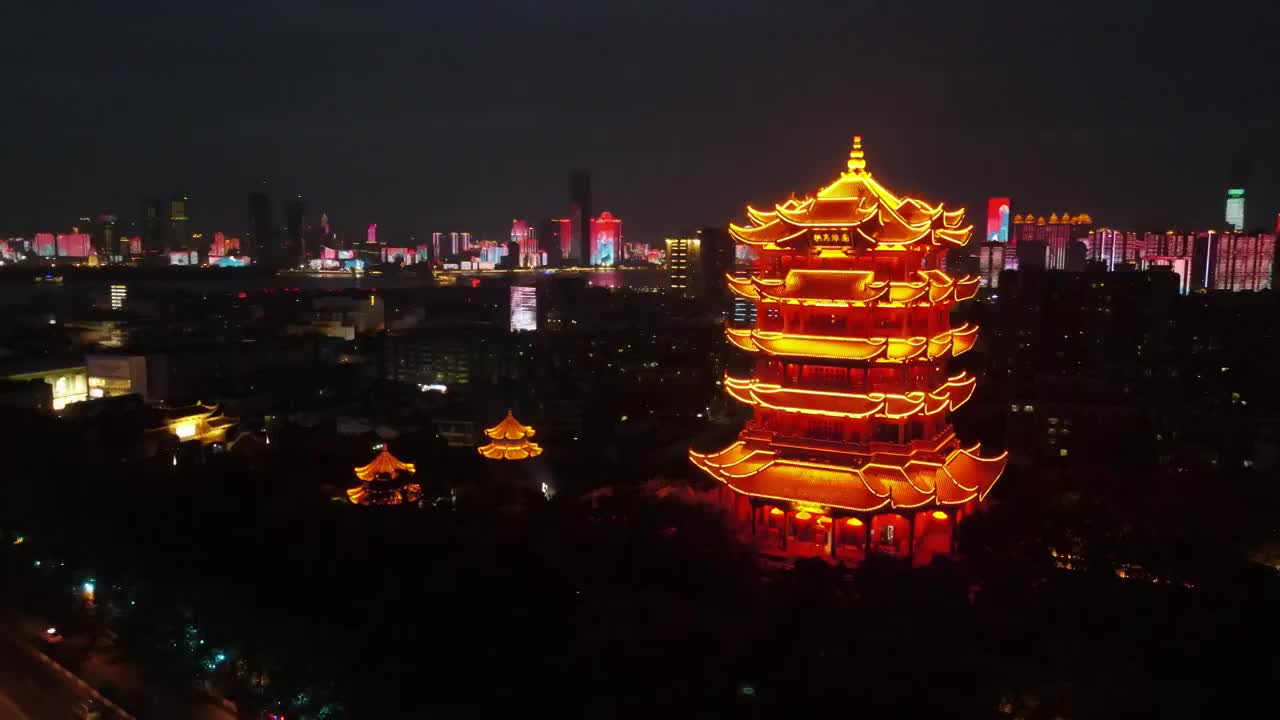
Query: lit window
(1013, 408)
(1028, 408)
(1053, 421)
(1062, 452)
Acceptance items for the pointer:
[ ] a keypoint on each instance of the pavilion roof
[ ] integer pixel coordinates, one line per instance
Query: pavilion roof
(509, 429)
(510, 441)
(385, 464)
(854, 211)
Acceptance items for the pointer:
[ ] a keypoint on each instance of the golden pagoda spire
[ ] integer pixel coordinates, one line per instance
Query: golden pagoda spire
(857, 159)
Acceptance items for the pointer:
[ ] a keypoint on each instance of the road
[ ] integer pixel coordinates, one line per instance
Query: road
(30, 690)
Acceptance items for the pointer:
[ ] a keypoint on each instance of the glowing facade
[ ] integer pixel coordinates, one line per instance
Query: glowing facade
(998, 219)
(606, 239)
(849, 451)
(385, 481)
(1235, 208)
(509, 440)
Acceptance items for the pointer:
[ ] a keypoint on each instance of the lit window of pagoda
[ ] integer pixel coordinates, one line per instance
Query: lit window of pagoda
(509, 440)
(385, 481)
(848, 451)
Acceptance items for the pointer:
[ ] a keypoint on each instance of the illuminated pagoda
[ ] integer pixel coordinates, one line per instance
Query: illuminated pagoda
(203, 423)
(385, 481)
(848, 451)
(509, 440)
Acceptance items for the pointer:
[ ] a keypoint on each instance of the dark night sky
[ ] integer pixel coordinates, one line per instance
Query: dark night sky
(429, 116)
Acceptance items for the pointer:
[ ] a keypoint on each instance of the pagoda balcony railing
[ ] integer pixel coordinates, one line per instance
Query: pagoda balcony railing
(923, 445)
(896, 386)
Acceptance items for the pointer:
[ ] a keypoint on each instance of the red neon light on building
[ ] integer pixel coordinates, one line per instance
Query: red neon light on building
(45, 245)
(998, 219)
(849, 451)
(73, 245)
(526, 240)
(135, 245)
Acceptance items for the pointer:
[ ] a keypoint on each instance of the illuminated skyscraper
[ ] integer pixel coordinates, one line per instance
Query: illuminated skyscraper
(849, 452)
(606, 239)
(1235, 208)
(524, 308)
(684, 256)
(525, 237)
(580, 214)
(998, 219)
(180, 221)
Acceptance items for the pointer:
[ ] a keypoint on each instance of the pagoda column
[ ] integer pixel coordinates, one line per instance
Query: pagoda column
(955, 526)
(911, 538)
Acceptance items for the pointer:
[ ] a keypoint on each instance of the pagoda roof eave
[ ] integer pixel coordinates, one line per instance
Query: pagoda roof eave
(875, 486)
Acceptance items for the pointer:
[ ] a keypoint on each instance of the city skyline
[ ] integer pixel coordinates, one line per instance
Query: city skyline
(983, 112)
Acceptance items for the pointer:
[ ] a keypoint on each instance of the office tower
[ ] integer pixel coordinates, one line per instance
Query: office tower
(998, 219)
(556, 236)
(153, 226)
(371, 235)
(848, 451)
(580, 215)
(684, 259)
(260, 240)
(180, 221)
(105, 237)
(464, 241)
(1235, 208)
(606, 239)
(716, 259)
(294, 245)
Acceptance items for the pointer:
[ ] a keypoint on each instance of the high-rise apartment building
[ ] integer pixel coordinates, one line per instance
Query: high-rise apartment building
(684, 257)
